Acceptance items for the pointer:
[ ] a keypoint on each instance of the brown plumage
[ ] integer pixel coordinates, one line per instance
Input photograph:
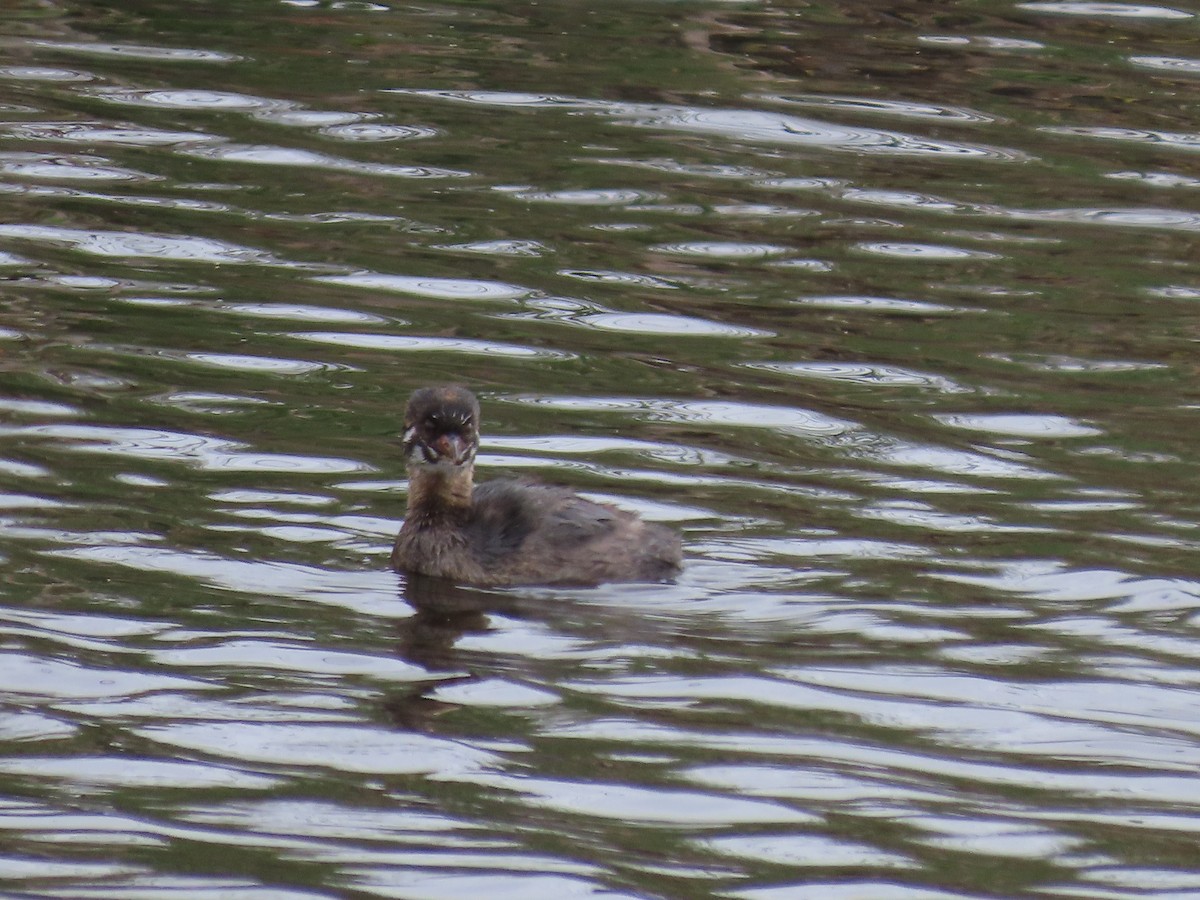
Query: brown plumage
(509, 532)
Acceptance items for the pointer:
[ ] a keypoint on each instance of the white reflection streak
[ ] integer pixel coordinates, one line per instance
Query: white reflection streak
(850, 438)
(755, 125)
(193, 449)
(124, 244)
(371, 593)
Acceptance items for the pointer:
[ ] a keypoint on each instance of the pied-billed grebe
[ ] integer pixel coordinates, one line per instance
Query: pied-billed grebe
(509, 532)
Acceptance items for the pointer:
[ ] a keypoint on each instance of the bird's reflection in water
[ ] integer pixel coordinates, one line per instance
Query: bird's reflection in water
(443, 613)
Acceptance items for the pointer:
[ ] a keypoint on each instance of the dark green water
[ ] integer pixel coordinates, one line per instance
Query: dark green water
(890, 308)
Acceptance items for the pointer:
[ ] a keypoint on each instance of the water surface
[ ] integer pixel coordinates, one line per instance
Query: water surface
(890, 310)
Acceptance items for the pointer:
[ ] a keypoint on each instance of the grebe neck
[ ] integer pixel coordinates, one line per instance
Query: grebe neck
(438, 496)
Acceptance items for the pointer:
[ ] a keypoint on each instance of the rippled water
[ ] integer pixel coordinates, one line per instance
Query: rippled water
(890, 309)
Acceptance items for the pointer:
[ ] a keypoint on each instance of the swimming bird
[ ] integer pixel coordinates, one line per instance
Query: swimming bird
(509, 532)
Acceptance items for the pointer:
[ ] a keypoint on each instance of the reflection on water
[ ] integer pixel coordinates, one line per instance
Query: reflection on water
(128, 246)
(890, 311)
(735, 124)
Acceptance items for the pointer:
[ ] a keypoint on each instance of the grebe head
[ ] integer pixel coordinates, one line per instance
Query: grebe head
(441, 428)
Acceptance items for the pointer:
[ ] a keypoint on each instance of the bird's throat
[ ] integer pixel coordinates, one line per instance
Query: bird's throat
(438, 495)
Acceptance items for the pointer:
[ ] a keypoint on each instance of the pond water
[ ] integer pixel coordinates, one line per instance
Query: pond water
(889, 308)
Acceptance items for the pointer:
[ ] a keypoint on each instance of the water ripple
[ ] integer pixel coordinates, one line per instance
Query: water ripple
(1018, 425)
(575, 444)
(987, 42)
(16, 469)
(251, 495)
(1157, 179)
(762, 211)
(728, 171)
(129, 245)
(1175, 292)
(587, 315)
(804, 850)
(298, 117)
(1168, 64)
(178, 98)
(661, 323)
(1171, 139)
(1000, 837)
(39, 408)
(754, 125)
(844, 436)
(1119, 704)
(413, 343)
(39, 676)
(868, 374)
(28, 727)
(721, 249)
(77, 167)
(915, 514)
(1168, 219)
(779, 418)
(436, 288)
(901, 108)
(906, 200)
(241, 362)
(1059, 363)
(628, 279)
(737, 124)
(208, 404)
(122, 199)
(803, 784)
(370, 592)
(630, 804)
(502, 98)
(897, 452)
(203, 452)
(377, 131)
(101, 133)
(342, 748)
(301, 661)
(981, 724)
(268, 155)
(889, 305)
(1118, 10)
(43, 73)
(131, 772)
(509, 247)
(301, 313)
(139, 51)
(1056, 582)
(590, 197)
(922, 251)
